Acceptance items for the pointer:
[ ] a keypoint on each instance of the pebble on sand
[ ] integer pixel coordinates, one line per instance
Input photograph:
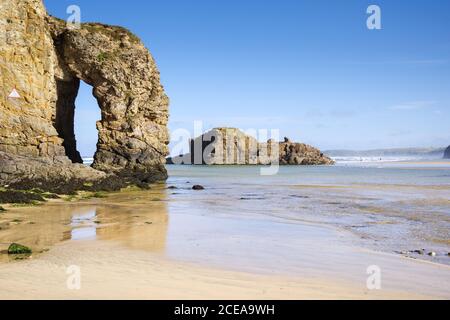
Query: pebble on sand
(198, 187)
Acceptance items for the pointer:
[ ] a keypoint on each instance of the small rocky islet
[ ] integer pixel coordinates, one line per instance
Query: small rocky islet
(231, 146)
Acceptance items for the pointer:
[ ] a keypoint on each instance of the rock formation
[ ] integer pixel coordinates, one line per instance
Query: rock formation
(230, 146)
(292, 153)
(447, 153)
(43, 60)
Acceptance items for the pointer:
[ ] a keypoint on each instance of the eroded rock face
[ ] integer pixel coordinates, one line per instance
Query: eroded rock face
(44, 62)
(230, 146)
(291, 153)
(133, 133)
(224, 146)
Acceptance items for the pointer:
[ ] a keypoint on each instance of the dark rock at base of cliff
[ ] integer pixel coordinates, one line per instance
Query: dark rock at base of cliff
(70, 187)
(20, 197)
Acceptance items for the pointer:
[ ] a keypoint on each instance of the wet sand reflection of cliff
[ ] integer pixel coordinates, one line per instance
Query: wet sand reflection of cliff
(140, 224)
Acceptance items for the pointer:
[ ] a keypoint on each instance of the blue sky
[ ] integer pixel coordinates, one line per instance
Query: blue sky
(310, 68)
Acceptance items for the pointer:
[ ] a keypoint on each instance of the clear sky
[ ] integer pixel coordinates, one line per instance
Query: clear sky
(310, 68)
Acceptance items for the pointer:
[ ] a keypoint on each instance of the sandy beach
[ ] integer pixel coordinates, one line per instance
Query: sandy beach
(224, 150)
(110, 271)
(247, 238)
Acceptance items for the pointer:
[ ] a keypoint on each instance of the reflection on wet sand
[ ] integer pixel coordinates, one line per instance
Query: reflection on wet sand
(140, 225)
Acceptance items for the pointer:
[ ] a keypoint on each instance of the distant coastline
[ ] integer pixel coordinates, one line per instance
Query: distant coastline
(389, 152)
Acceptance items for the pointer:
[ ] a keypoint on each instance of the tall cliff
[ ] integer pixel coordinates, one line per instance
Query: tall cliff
(41, 63)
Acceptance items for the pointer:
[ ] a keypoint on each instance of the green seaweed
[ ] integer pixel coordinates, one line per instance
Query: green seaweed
(16, 248)
(99, 194)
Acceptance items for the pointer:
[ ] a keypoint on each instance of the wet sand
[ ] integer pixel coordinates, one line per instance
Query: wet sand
(134, 250)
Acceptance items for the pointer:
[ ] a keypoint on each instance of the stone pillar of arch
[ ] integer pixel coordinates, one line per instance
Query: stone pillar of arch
(133, 133)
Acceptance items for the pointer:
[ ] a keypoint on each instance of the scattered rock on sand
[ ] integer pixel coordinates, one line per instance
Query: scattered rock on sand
(16, 248)
(198, 187)
(420, 251)
(172, 187)
(432, 254)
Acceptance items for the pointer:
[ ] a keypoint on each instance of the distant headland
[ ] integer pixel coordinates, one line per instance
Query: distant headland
(389, 152)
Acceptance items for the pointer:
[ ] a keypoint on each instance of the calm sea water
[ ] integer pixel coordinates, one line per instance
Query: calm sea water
(390, 207)
(343, 174)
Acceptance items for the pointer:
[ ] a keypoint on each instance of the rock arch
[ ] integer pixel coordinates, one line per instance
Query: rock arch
(133, 134)
(65, 117)
(45, 61)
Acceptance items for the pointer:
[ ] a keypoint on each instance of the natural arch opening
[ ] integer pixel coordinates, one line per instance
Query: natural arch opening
(87, 113)
(77, 112)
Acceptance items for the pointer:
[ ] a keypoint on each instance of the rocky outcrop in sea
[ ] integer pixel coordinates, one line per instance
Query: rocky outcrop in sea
(42, 61)
(230, 146)
(447, 153)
